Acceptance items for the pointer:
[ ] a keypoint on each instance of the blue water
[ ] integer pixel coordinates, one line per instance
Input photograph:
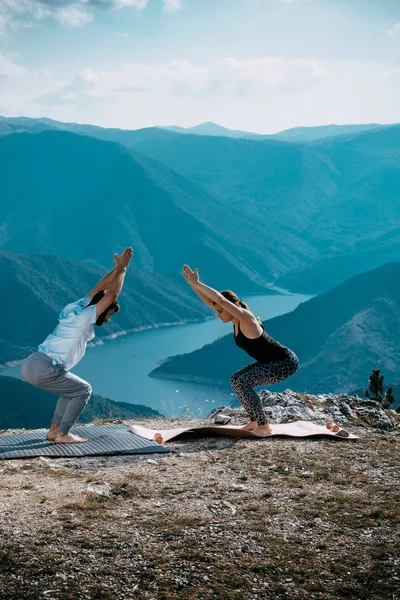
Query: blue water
(118, 369)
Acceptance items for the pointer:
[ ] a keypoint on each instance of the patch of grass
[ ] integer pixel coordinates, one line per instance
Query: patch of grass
(124, 489)
(266, 495)
(92, 502)
(98, 593)
(170, 491)
(59, 473)
(85, 543)
(136, 476)
(178, 527)
(307, 401)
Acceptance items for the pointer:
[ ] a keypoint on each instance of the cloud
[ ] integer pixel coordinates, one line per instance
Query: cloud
(283, 1)
(388, 73)
(264, 94)
(107, 4)
(8, 68)
(73, 17)
(138, 4)
(4, 24)
(15, 14)
(227, 78)
(394, 30)
(172, 5)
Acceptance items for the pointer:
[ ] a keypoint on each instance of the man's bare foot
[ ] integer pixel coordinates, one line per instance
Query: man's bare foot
(263, 430)
(250, 426)
(68, 438)
(53, 432)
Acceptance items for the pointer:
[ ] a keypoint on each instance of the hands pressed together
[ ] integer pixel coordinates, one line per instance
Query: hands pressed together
(192, 277)
(123, 261)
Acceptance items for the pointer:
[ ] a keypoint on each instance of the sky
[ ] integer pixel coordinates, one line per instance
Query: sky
(254, 65)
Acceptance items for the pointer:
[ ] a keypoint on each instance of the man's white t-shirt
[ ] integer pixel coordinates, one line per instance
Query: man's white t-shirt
(67, 344)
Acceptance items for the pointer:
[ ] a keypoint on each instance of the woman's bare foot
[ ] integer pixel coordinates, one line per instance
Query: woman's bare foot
(53, 432)
(250, 426)
(68, 438)
(263, 430)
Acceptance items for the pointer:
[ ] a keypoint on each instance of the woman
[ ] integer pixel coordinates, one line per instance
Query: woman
(274, 361)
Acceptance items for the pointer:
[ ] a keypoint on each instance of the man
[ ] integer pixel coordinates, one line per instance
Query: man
(49, 368)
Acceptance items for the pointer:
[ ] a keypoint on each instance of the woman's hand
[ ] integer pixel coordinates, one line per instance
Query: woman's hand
(192, 277)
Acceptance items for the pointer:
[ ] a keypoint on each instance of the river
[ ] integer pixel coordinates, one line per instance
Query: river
(118, 369)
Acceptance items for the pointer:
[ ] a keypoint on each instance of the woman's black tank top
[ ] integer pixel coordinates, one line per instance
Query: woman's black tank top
(263, 349)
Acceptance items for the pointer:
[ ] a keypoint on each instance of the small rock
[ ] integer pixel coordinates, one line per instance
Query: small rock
(222, 419)
(226, 410)
(101, 488)
(346, 410)
(229, 505)
(384, 423)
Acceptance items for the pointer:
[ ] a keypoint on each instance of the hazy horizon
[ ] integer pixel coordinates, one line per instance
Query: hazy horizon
(195, 125)
(260, 66)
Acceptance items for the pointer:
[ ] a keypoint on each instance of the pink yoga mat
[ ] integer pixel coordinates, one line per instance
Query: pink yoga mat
(296, 429)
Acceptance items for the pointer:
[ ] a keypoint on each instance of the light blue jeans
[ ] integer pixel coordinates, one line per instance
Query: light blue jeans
(38, 369)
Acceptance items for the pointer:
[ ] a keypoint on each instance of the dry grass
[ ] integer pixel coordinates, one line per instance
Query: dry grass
(219, 519)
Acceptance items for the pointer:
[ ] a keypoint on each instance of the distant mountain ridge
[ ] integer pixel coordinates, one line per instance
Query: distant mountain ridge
(127, 136)
(295, 135)
(339, 336)
(255, 212)
(123, 197)
(305, 195)
(316, 192)
(326, 273)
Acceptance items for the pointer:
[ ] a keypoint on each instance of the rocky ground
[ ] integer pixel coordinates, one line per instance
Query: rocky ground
(223, 519)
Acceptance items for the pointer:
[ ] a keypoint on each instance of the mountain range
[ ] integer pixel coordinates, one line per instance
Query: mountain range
(126, 136)
(260, 209)
(62, 187)
(247, 212)
(339, 337)
(296, 134)
(323, 274)
(338, 197)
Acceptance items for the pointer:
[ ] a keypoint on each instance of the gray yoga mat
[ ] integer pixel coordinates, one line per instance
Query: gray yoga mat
(103, 440)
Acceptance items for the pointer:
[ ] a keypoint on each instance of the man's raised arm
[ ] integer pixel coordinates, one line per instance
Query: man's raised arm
(105, 281)
(114, 283)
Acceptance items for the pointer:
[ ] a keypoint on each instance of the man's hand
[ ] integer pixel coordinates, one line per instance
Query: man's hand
(192, 277)
(123, 261)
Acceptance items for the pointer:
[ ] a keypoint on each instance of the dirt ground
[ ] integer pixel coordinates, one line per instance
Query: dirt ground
(216, 518)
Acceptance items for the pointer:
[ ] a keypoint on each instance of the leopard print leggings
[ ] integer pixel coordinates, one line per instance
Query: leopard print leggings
(243, 381)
